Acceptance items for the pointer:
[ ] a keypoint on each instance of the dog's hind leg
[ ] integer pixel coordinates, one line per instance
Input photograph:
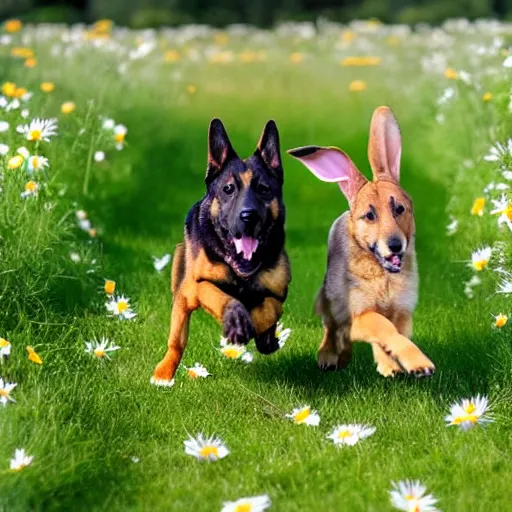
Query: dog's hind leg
(335, 351)
(377, 329)
(178, 336)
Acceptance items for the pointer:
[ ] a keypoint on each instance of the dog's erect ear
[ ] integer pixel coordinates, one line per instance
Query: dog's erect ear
(220, 150)
(269, 150)
(385, 145)
(332, 165)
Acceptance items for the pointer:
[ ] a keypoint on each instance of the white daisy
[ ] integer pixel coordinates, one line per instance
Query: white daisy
(100, 349)
(5, 348)
(39, 130)
(247, 357)
(480, 258)
(37, 163)
(282, 334)
(503, 207)
(4, 149)
(198, 370)
(452, 227)
(507, 175)
(108, 124)
(5, 392)
(505, 286)
(4, 126)
(469, 412)
(75, 257)
(24, 152)
(99, 156)
(25, 113)
(252, 504)
(350, 434)
(20, 460)
(161, 263)
(206, 449)
(31, 189)
(120, 132)
(120, 307)
(410, 496)
(507, 63)
(230, 350)
(498, 151)
(304, 415)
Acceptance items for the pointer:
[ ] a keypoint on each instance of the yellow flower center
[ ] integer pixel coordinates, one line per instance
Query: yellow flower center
(470, 409)
(110, 286)
(68, 107)
(47, 86)
(344, 434)
(122, 306)
(231, 352)
(451, 74)
(33, 356)
(296, 58)
(4, 392)
(357, 86)
(302, 415)
(478, 206)
(472, 418)
(501, 320)
(119, 137)
(20, 91)
(99, 352)
(4, 343)
(192, 373)
(244, 507)
(31, 186)
(8, 89)
(480, 264)
(35, 162)
(487, 96)
(15, 162)
(12, 26)
(207, 451)
(31, 63)
(172, 56)
(34, 135)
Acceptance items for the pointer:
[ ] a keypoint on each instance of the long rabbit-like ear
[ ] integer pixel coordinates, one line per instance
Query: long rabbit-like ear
(385, 145)
(220, 150)
(332, 165)
(269, 149)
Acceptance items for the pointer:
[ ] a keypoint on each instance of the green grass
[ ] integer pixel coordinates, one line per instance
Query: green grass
(84, 419)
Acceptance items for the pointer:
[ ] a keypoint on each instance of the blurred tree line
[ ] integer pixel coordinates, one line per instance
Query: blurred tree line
(153, 13)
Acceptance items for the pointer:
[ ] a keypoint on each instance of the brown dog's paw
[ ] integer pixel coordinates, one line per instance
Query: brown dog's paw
(327, 360)
(415, 362)
(389, 368)
(266, 342)
(237, 324)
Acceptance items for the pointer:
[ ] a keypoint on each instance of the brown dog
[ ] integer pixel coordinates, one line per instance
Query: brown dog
(370, 288)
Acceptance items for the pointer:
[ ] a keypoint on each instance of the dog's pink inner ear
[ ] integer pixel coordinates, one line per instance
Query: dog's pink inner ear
(332, 165)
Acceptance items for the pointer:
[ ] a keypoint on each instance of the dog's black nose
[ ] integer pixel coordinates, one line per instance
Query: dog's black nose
(395, 245)
(249, 216)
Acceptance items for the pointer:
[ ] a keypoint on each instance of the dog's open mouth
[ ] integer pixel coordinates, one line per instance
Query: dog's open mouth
(246, 246)
(392, 263)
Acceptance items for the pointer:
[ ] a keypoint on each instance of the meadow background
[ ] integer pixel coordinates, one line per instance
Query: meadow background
(102, 437)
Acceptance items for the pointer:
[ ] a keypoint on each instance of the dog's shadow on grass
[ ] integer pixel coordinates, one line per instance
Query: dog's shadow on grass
(464, 368)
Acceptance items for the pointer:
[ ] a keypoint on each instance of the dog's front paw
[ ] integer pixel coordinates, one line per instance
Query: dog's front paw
(266, 342)
(237, 324)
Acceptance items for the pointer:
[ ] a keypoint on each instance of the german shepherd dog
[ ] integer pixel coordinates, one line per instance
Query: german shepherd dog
(370, 288)
(232, 262)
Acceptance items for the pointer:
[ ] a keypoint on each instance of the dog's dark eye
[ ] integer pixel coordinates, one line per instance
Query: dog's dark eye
(370, 216)
(228, 189)
(263, 189)
(399, 209)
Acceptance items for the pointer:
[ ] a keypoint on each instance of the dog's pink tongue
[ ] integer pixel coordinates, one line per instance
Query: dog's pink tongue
(395, 260)
(246, 245)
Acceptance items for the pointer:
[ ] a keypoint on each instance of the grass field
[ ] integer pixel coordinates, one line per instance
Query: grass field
(84, 419)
